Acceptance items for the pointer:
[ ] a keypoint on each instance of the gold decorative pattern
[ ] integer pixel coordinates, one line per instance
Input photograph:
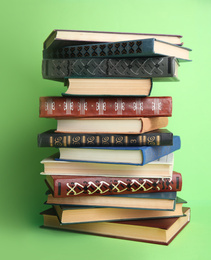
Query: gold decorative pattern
(76, 140)
(65, 141)
(151, 140)
(51, 140)
(158, 140)
(68, 140)
(126, 139)
(98, 188)
(72, 189)
(118, 186)
(119, 140)
(144, 140)
(58, 141)
(105, 140)
(140, 140)
(140, 185)
(90, 140)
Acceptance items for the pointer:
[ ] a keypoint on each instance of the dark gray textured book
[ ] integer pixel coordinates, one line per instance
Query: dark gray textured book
(124, 49)
(164, 68)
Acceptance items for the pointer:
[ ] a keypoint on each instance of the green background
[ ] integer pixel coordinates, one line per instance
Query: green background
(24, 27)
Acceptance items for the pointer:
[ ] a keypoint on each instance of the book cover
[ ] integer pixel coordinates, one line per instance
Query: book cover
(68, 107)
(70, 186)
(144, 67)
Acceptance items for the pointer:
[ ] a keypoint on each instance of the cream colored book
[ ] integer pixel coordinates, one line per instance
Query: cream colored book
(108, 87)
(59, 38)
(126, 125)
(161, 168)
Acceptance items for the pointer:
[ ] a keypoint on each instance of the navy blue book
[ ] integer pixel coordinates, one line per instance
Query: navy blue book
(140, 155)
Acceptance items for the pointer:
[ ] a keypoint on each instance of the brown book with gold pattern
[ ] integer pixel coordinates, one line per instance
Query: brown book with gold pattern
(71, 186)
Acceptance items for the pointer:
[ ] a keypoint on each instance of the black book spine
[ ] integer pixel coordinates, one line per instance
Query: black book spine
(154, 67)
(123, 49)
(103, 140)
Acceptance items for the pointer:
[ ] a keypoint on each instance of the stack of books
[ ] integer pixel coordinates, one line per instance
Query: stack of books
(113, 173)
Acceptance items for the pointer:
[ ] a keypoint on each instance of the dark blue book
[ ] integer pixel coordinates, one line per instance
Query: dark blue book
(118, 155)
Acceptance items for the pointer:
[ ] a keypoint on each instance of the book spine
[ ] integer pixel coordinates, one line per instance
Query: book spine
(124, 49)
(58, 140)
(88, 186)
(154, 67)
(105, 107)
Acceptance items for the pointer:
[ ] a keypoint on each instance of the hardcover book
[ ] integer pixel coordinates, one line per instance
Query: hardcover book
(152, 201)
(157, 231)
(157, 137)
(80, 214)
(110, 87)
(161, 168)
(63, 186)
(112, 125)
(73, 106)
(123, 49)
(61, 38)
(119, 155)
(158, 68)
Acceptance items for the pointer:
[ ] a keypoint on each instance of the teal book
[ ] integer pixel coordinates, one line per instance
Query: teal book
(124, 49)
(148, 201)
(139, 155)
(88, 214)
